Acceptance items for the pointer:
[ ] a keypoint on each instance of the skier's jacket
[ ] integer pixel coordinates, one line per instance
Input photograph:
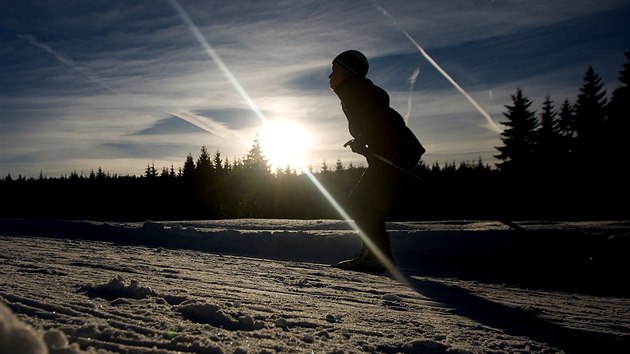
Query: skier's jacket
(372, 122)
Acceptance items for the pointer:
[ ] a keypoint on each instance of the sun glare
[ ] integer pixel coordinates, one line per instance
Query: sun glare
(285, 143)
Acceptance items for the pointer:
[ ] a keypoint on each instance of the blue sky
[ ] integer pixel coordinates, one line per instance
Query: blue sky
(88, 84)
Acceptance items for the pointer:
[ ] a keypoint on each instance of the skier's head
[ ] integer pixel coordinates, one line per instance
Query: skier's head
(353, 61)
(348, 64)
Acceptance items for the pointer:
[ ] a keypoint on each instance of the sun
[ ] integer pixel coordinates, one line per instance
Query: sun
(285, 143)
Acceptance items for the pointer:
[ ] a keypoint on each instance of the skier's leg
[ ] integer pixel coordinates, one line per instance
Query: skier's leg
(369, 200)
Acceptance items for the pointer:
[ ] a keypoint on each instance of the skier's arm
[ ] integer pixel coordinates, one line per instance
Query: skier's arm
(366, 108)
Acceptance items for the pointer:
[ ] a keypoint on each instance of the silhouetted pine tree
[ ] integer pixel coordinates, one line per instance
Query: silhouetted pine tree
(254, 183)
(255, 160)
(549, 142)
(518, 150)
(189, 167)
(566, 119)
(324, 169)
(339, 166)
(171, 172)
(204, 166)
(100, 174)
(150, 171)
(590, 114)
(227, 167)
(204, 178)
(164, 173)
(218, 163)
(237, 165)
(618, 124)
(566, 129)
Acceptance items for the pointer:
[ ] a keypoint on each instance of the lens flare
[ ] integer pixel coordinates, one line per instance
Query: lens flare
(217, 59)
(391, 268)
(213, 54)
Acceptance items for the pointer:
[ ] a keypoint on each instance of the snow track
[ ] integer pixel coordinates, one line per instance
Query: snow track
(90, 295)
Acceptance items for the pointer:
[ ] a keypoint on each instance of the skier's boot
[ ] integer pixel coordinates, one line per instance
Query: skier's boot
(364, 261)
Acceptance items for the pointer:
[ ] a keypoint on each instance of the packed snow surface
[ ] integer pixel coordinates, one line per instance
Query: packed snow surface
(263, 286)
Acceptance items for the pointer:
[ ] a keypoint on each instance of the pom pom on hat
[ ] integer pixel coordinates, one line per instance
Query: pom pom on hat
(353, 61)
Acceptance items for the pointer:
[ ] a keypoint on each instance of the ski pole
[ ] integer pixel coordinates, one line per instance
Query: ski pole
(396, 166)
(366, 153)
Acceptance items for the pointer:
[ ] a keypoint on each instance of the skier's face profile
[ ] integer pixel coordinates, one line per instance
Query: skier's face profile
(338, 75)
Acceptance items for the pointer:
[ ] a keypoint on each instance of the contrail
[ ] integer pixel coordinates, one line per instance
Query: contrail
(71, 64)
(213, 54)
(197, 120)
(412, 82)
(203, 123)
(493, 125)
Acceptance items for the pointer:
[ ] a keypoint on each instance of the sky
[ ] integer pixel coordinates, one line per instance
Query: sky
(122, 84)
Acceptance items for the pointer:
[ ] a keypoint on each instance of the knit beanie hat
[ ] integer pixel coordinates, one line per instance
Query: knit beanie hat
(353, 61)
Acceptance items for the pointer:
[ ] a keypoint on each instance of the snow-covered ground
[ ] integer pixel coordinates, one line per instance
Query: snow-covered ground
(262, 286)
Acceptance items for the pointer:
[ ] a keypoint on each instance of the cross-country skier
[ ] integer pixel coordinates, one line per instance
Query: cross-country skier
(380, 134)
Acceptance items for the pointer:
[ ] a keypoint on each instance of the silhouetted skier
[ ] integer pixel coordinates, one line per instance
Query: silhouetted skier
(380, 134)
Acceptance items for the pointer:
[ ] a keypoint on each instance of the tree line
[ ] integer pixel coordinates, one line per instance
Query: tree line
(567, 162)
(573, 157)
